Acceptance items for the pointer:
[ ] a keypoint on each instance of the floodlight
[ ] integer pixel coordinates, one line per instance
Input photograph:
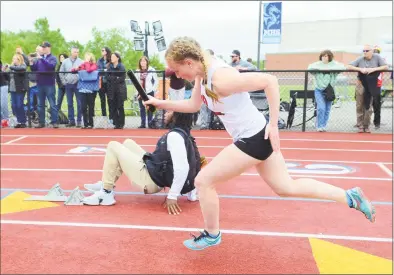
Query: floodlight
(161, 43)
(157, 27)
(134, 26)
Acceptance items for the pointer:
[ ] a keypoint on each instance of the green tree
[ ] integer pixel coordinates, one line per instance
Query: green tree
(29, 40)
(116, 40)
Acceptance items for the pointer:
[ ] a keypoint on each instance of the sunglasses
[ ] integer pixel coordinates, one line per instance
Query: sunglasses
(366, 51)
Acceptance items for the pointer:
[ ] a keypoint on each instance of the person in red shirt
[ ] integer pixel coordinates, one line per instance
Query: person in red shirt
(88, 87)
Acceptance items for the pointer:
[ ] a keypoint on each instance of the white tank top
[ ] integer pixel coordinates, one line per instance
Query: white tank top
(237, 112)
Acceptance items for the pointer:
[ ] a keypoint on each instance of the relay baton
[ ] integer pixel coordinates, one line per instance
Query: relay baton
(140, 90)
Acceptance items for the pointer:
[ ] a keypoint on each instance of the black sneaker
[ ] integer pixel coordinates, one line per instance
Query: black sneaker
(20, 125)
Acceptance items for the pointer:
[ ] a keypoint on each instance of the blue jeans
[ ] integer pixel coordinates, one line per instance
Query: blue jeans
(70, 91)
(18, 109)
(60, 96)
(143, 112)
(323, 109)
(5, 114)
(47, 91)
(33, 91)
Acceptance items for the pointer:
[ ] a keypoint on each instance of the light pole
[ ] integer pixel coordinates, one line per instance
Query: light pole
(141, 38)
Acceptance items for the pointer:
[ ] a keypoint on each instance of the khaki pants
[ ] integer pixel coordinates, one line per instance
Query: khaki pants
(363, 116)
(127, 158)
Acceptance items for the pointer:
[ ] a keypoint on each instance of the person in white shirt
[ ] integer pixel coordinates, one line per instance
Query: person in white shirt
(175, 163)
(256, 144)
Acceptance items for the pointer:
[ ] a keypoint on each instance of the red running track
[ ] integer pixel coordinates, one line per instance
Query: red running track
(69, 249)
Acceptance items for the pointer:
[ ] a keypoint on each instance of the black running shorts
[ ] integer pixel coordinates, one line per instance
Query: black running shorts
(256, 146)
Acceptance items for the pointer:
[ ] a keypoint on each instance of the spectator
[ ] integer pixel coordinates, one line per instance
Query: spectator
(61, 90)
(70, 81)
(88, 86)
(376, 117)
(323, 80)
(210, 52)
(250, 61)
(19, 85)
(4, 80)
(366, 88)
(19, 50)
(117, 90)
(46, 84)
(103, 65)
(33, 90)
(240, 64)
(188, 89)
(176, 90)
(149, 81)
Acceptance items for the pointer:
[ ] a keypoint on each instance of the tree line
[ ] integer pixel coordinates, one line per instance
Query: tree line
(114, 38)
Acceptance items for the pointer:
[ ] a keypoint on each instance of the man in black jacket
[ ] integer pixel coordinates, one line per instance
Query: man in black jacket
(175, 163)
(367, 89)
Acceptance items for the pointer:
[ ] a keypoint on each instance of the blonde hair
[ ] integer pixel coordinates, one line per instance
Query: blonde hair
(90, 57)
(19, 57)
(185, 47)
(203, 161)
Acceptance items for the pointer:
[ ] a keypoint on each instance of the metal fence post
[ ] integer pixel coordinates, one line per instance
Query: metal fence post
(28, 102)
(305, 99)
(164, 97)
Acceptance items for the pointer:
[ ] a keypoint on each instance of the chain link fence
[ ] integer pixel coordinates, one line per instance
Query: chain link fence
(343, 115)
(293, 84)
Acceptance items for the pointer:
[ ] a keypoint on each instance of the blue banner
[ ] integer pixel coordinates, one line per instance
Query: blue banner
(272, 23)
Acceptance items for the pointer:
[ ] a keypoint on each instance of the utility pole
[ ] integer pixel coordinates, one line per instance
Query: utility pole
(146, 38)
(258, 43)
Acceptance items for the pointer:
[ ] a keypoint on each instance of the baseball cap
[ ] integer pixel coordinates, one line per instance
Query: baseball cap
(46, 44)
(235, 52)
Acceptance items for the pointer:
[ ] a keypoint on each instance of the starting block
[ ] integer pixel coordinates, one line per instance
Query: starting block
(76, 197)
(56, 194)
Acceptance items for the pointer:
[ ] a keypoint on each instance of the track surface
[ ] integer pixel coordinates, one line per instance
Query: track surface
(263, 233)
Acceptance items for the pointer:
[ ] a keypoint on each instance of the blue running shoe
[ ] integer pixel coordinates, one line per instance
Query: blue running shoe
(203, 241)
(361, 203)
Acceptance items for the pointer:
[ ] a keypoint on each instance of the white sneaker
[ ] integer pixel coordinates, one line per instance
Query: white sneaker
(94, 187)
(192, 195)
(100, 198)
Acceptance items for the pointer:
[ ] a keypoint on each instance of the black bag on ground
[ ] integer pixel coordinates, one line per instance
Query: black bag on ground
(216, 123)
(281, 122)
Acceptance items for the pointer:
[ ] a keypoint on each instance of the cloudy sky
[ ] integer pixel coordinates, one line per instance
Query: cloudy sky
(219, 25)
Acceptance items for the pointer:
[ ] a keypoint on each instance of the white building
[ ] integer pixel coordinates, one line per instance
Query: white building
(347, 35)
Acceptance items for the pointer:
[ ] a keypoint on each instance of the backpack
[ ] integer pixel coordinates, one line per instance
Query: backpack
(200, 160)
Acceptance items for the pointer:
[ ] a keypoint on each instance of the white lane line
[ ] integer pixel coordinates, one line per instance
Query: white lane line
(385, 169)
(187, 229)
(243, 174)
(14, 140)
(204, 146)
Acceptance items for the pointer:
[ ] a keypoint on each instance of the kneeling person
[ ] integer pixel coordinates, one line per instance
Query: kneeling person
(175, 163)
